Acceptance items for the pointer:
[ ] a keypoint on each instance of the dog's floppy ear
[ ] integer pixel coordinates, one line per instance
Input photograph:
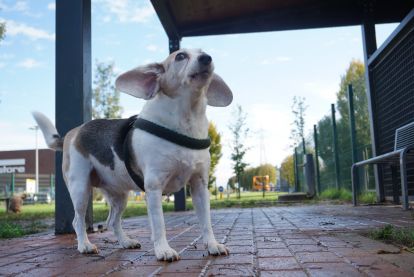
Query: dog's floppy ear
(218, 93)
(141, 82)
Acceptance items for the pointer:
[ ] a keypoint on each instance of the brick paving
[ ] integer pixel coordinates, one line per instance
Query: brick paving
(318, 240)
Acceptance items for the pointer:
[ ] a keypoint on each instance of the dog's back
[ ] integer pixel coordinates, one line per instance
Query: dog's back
(100, 136)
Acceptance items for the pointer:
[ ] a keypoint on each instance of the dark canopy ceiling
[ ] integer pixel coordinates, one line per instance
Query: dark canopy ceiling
(182, 18)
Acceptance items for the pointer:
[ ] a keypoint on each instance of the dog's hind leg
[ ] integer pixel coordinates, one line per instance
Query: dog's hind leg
(78, 182)
(118, 203)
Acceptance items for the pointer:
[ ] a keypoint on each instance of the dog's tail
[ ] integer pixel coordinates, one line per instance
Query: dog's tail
(51, 135)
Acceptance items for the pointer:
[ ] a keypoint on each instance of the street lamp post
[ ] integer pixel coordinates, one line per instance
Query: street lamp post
(36, 128)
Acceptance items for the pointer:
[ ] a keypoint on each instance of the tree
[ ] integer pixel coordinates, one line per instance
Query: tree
(239, 131)
(215, 152)
(2, 30)
(286, 170)
(105, 98)
(297, 133)
(355, 75)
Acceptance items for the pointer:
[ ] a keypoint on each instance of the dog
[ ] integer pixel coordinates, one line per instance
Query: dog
(16, 203)
(115, 157)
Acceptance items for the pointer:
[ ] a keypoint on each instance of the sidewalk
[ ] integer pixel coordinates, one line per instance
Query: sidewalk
(274, 241)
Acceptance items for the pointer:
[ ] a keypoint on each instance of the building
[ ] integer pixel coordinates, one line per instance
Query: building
(18, 169)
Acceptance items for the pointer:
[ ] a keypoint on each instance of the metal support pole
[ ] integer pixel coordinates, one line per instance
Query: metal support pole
(318, 176)
(369, 42)
(73, 93)
(335, 148)
(352, 129)
(37, 161)
(179, 197)
(295, 169)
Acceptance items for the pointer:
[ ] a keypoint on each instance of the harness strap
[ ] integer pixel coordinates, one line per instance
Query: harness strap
(137, 178)
(171, 136)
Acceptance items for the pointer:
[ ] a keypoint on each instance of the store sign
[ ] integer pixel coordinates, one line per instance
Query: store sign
(12, 166)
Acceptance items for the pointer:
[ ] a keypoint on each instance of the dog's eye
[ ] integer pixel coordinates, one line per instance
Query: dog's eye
(180, 56)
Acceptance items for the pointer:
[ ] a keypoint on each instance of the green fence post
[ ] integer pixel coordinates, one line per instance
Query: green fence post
(13, 181)
(352, 128)
(318, 177)
(304, 146)
(295, 169)
(335, 148)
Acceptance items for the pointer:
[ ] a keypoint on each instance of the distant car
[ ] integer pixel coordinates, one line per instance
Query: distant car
(41, 198)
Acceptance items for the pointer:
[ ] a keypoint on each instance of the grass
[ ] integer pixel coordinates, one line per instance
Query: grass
(403, 237)
(346, 196)
(368, 197)
(335, 194)
(14, 230)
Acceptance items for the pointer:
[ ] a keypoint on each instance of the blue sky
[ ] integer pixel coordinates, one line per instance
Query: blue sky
(264, 70)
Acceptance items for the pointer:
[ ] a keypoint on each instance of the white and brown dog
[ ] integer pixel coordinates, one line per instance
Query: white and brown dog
(178, 91)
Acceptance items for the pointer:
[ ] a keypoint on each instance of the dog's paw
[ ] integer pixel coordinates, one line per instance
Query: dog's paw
(217, 249)
(130, 243)
(166, 253)
(88, 248)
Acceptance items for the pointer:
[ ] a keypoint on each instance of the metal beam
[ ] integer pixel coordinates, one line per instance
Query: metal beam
(335, 148)
(163, 9)
(369, 42)
(73, 92)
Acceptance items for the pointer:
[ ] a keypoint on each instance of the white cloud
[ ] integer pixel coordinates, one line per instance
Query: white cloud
(278, 59)
(152, 48)
(129, 11)
(17, 28)
(2, 64)
(29, 63)
(19, 6)
(51, 6)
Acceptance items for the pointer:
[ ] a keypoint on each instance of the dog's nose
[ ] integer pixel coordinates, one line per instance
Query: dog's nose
(204, 59)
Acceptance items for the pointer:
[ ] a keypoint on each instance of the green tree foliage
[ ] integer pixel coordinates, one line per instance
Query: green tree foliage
(286, 170)
(239, 131)
(246, 179)
(2, 30)
(215, 152)
(297, 132)
(355, 75)
(105, 98)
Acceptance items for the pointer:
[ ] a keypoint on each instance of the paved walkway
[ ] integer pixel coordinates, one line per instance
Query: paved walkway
(274, 241)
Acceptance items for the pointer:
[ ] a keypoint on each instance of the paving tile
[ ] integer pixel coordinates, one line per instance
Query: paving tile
(282, 252)
(332, 270)
(233, 259)
(283, 273)
(317, 257)
(230, 270)
(261, 242)
(135, 271)
(285, 263)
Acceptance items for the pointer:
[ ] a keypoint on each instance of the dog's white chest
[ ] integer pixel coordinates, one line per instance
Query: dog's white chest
(170, 165)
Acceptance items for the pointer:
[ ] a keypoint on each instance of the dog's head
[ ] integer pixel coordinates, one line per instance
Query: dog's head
(183, 72)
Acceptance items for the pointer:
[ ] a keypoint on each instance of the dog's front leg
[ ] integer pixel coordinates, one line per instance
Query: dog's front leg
(201, 201)
(161, 247)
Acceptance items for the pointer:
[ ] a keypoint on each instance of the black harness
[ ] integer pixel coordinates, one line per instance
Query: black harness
(161, 132)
